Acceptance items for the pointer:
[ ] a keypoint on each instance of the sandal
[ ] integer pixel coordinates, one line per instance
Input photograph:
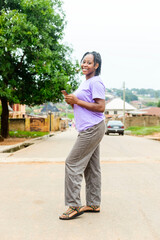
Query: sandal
(91, 208)
(70, 211)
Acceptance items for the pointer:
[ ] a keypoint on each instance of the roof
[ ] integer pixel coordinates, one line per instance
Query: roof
(152, 111)
(10, 109)
(136, 101)
(137, 112)
(117, 104)
(50, 107)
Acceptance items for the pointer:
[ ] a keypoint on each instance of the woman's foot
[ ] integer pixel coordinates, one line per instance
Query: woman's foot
(91, 208)
(71, 213)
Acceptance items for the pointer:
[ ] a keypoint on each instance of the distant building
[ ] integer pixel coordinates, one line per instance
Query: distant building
(137, 104)
(49, 107)
(115, 107)
(17, 111)
(109, 96)
(152, 111)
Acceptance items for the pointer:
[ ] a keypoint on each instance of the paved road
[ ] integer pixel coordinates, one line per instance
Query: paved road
(113, 148)
(32, 182)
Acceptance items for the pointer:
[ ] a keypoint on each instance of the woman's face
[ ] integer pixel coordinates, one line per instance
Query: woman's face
(88, 67)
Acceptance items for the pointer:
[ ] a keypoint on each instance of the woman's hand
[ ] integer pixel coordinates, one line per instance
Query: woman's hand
(71, 99)
(97, 106)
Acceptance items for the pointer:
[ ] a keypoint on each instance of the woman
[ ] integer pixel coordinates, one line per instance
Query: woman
(88, 102)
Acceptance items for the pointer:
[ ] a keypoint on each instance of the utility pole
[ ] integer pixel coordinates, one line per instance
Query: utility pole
(124, 103)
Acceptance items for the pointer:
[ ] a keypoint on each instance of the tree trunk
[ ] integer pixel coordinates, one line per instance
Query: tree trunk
(4, 118)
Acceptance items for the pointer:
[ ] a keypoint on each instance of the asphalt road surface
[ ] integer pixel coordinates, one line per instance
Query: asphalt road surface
(32, 189)
(113, 148)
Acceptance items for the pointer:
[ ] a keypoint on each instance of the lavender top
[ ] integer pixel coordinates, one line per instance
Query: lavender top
(88, 91)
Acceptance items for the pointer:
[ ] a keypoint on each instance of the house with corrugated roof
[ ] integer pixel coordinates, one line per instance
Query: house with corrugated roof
(151, 111)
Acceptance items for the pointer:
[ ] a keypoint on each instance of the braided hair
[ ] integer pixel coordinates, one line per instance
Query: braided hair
(97, 59)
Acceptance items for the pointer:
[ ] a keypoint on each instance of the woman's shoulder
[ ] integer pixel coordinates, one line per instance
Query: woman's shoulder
(96, 79)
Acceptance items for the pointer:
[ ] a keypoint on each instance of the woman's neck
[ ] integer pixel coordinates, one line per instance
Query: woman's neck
(88, 77)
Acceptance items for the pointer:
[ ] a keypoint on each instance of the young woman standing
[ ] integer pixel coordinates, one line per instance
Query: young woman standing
(88, 102)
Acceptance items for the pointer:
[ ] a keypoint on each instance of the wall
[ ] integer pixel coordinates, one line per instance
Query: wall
(55, 123)
(38, 124)
(17, 124)
(140, 121)
(144, 121)
(111, 112)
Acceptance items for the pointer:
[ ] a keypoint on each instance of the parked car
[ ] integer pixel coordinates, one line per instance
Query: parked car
(115, 126)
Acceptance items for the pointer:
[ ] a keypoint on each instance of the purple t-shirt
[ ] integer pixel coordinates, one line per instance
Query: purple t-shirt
(88, 91)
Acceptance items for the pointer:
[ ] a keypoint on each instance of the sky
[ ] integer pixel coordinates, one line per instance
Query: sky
(126, 33)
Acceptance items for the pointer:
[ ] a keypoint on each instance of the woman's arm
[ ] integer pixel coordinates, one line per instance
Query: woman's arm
(97, 106)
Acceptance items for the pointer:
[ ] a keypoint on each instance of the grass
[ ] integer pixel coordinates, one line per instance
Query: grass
(68, 115)
(26, 134)
(144, 130)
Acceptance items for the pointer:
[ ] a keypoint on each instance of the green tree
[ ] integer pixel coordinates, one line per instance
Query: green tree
(129, 96)
(158, 104)
(151, 104)
(34, 64)
(156, 94)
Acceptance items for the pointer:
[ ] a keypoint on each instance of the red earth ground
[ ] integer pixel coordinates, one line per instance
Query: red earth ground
(12, 141)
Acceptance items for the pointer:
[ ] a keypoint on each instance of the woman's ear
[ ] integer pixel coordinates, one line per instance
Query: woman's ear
(96, 65)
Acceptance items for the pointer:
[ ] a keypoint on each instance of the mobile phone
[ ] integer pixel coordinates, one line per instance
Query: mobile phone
(64, 92)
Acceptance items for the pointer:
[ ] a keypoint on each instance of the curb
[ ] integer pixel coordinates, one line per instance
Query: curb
(18, 146)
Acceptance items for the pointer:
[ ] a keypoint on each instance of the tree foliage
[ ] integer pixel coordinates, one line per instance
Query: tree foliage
(147, 91)
(151, 104)
(129, 96)
(34, 64)
(158, 104)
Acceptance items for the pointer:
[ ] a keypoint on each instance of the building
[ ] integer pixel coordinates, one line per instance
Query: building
(137, 104)
(49, 107)
(115, 107)
(152, 111)
(17, 111)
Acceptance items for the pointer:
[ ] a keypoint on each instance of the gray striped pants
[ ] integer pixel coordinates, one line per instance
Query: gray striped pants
(84, 159)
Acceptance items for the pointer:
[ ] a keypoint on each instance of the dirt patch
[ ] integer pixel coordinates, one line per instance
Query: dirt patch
(12, 141)
(154, 136)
